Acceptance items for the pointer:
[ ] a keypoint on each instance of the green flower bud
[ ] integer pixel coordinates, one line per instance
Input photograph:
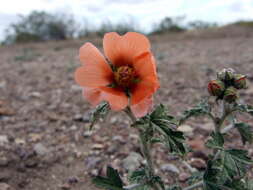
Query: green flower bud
(216, 88)
(226, 74)
(240, 81)
(230, 95)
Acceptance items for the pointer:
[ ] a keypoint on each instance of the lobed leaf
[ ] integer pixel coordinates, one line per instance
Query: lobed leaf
(112, 181)
(244, 108)
(203, 108)
(245, 131)
(216, 142)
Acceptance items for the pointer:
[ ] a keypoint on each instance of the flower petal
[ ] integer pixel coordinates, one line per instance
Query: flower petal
(93, 75)
(145, 88)
(121, 50)
(115, 97)
(144, 65)
(89, 55)
(92, 95)
(141, 109)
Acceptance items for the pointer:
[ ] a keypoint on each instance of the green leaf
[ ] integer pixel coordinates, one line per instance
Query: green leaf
(100, 112)
(249, 184)
(233, 163)
(160, 116)
(245, 131)
(237, 185)
(139, 176)
(195, 177)
(210, 178)
(244, 108)
(112, 181)
(216, 142)
(203, 108)
(114, 176)
(174, 140)
(174, 187)
(158, 180)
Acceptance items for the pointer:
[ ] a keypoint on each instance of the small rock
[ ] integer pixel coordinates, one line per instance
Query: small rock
(5, 177)
(132, 162)
(186, 129)
(94, 172)
(97, 146)
(65, 187)
(31, 163)
(170, 168)
(73, 180)
(119, 139)
(20, 141)
(40, 149)
(73, 128)
(198, 163)
(92, 161)
(3, 140)
(112, 148)
(87, 133)
(4, 186)
(35, 94)
(3, 161)
(81, 118)
(183, 177)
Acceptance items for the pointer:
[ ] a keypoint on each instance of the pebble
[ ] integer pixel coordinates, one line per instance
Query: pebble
(183, 177)
(170, 168)
(40, 149)
(4, 186)
(92, 161)
(3, 161)
(97, 146)
(132, 162)
(198, 163)
(3, 140)
(87, 133)
(186, 129)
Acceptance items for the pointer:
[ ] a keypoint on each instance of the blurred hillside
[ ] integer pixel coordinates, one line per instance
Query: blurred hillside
(41, 26)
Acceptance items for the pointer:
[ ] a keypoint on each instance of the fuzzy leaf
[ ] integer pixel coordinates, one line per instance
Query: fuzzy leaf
(112, 181)
(174, 187)
(210, 178)
(233, 163)
(203, 108)
(100, 112)
(244, 108)
(245, 131)
(137, 176)
(216, 142)
(174, 140)
(160, 116)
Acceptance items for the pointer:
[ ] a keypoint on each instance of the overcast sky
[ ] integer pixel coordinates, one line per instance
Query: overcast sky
(144, 12)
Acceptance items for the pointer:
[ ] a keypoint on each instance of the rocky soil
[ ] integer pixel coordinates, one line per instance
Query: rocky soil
(44, 142)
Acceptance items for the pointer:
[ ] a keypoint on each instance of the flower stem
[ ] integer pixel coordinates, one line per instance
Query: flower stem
(145, 149)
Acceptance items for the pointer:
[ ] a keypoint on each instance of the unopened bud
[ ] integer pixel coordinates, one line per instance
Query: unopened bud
(226, 74)
(230, 95)
(240, 81)
(216, 88)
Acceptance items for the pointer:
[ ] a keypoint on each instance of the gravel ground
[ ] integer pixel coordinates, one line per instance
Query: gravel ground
(44, 143)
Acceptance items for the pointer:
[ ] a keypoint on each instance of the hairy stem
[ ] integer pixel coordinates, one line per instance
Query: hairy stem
(145, 149)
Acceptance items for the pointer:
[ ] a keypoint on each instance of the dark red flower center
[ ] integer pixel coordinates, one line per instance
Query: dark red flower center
(124, 76)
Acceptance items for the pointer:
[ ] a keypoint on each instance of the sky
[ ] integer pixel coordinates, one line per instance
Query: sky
(145, 13)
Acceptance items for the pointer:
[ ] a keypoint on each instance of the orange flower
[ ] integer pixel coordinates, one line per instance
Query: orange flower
(127, 76)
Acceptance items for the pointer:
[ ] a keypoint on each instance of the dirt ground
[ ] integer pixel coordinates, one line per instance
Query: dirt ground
(44, 143)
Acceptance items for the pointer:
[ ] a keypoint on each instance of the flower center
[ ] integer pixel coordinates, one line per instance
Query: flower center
(124, 76)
